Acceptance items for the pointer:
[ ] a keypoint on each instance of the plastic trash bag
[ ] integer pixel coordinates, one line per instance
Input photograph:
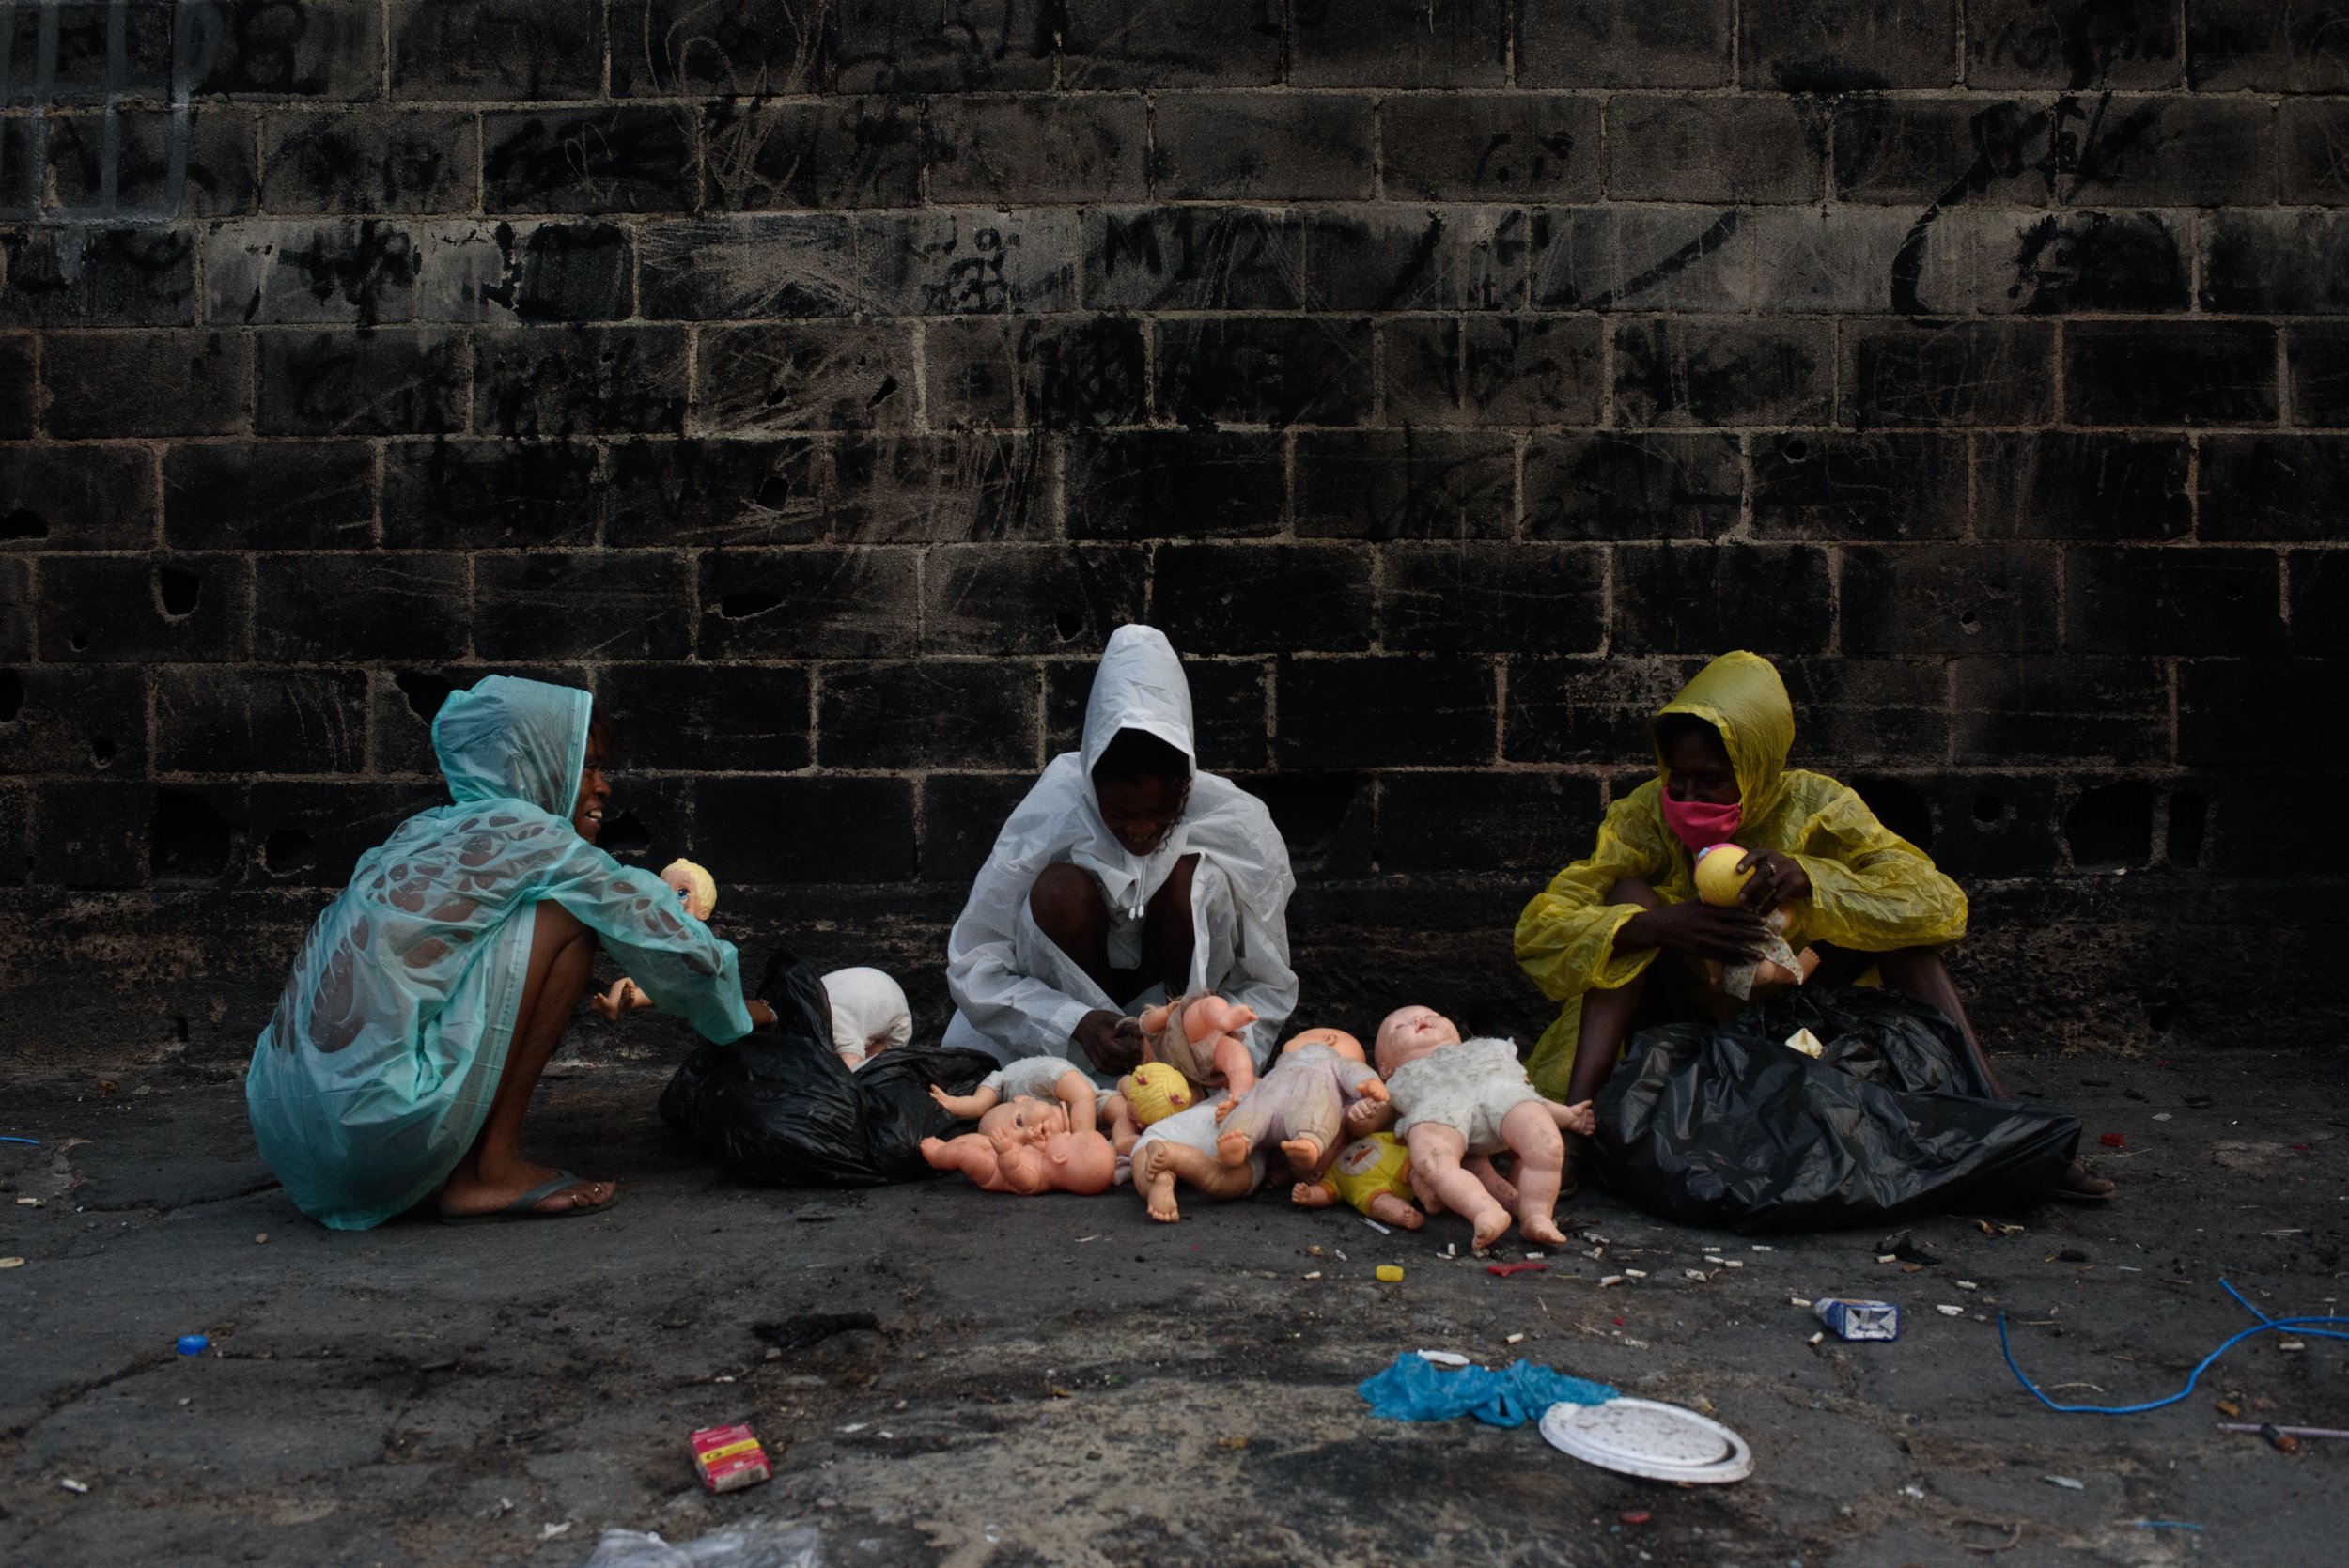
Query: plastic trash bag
(778, 1106)
(1721, 1125)
(759, 1544)
(1415, 1390)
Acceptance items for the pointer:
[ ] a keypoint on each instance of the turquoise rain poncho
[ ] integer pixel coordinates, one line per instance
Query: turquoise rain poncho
(378, 1066)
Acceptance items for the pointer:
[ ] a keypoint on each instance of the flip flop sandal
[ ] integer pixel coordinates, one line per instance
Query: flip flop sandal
(521, 1207)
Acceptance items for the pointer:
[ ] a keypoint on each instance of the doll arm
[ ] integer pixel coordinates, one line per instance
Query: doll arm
(1124, 1130)
(1578, 1118)
(1075, 1091)
(1368, 1115)
(1023, 1170)
(1358, 1081)
(966, 1108)
(971, 1154)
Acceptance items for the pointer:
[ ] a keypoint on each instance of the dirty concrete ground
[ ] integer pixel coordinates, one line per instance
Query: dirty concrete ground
(1059, 1380)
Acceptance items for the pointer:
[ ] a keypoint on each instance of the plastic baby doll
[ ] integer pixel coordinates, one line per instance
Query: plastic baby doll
(1200, 1036)
(1456, 1099)
(1063, 1161)
(1184, 1146)
(869, 1014)
(1374, 1174)
(1036, 1077)
(1148, 1094)
(1302, 1103)
(694, 887)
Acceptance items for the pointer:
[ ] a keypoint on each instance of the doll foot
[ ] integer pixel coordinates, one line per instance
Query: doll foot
(1232, 1149)
(1541, 1228)
(1160, 1203)
(1492, 1229)
(1311, 1195)
(1304, 1157)
(1388, 1208)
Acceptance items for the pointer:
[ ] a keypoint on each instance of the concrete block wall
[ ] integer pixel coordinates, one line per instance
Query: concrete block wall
(820, 381)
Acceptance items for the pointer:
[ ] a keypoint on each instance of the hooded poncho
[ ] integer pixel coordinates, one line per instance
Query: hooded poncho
(1016, 993)
(376, 1070)
(1871, 889)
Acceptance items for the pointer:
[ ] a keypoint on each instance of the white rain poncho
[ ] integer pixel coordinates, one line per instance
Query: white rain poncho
(1016, 993)
(377, 1068)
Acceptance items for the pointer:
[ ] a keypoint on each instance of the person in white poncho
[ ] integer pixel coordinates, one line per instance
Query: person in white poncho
(1126, 876)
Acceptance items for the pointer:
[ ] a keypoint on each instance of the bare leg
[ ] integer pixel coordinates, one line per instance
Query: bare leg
(1235, 1066)
(1069, 908)
(1124, 1130)
(1245, 1124)
(1388, 1209)
(1436, 1152)
(494, 1173)
(1159, 1163)
(1488, 1176)
(1541, 1170)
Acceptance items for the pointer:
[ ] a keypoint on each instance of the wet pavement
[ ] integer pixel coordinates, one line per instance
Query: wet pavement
(1059, 1380)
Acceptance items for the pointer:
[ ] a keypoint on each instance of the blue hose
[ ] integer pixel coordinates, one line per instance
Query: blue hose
(32, 1141)
(2264, 1324)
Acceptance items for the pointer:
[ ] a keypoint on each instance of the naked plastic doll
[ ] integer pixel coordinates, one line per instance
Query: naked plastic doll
(1064, 1161)
(1456, 1099)
(698, 891)
(1374, 1174)
(869, 1014)
(1200, 1036)
(1182, 1148)
(1144, 1097)
(1302, 1103)
(1048, 1078)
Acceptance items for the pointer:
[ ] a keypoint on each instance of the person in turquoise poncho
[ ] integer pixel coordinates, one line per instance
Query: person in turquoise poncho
(430, 994)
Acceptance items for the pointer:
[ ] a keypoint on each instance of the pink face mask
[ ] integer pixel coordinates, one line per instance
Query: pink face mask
(1700, 824)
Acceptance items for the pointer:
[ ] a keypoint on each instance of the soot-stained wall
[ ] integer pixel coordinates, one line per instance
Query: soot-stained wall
(821, 383)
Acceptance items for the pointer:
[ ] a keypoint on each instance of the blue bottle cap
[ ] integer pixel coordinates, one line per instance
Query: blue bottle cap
(193, 1344)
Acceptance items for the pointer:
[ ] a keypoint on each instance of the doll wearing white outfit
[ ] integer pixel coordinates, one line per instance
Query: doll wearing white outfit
(1456, 1100)
(1043, 1078)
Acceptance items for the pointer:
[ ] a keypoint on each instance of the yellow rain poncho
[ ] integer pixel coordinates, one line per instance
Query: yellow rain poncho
(1871, 889)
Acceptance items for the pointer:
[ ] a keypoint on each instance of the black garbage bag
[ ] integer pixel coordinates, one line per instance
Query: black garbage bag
(777, 1105)
(1721, 1125)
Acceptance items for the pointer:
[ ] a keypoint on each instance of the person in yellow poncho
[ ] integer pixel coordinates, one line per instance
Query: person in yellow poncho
(1871, 904)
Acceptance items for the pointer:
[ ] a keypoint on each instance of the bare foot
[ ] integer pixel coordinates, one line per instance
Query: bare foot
(1388, 1208)
(1155, 1184)
(1232, 1149)
(1224, 1108)
(469, 1192)
(1491, 1227)
(1541, 1228)
(1311, 1195)
(1304, 1157)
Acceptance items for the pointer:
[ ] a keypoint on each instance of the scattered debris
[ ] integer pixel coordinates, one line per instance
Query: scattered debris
(192, 1344)
(2163, 1523)
(1502, 1270)
(2066, 1482)
(2285, 1442)
(261, 1240)
(550, 1532)
(1995, 1228)
(1635, 1517)
(1234, 1444)
(1966, 1284)
(1314, 1275)
(1635, 1273)
(79, 1488)
(1376, 1226)
(1946, 1311)
(1798, 1301)
(1513, 1339)
(2263, 1428)
(2161, 1115)
(1814, 1340)
(11, 1262)
(1610, 1280)
(1389, 1273)
(2014, 1536)
(2291, 1347)
(2112, 1139)
(728, 1458)
(1901, 1247)
(1859, 1319)
(1694, 1274)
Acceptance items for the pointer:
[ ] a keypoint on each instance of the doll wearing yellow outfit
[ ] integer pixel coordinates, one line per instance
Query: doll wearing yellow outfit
(1374, 1174)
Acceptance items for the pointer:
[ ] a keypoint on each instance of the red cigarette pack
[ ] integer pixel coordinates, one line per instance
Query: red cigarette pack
(729, 1458)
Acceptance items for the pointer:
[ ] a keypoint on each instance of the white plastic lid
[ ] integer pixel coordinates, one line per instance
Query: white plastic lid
(1644, 1438)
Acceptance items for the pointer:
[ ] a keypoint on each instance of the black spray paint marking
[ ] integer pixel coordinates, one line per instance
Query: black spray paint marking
(196, 31)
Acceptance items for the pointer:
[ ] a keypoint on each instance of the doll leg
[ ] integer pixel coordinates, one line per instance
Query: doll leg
(1541, 1170)
(1075, 1091)
(1313, 1125)
(1237, 1068)
(1489, 1177)
(971, 1154)
(1157, 1163)
(1436, 1152)
(1244, 1128)
(966, 1108)
(1124, 1130)
(1388, 1208)
(1311, 1195)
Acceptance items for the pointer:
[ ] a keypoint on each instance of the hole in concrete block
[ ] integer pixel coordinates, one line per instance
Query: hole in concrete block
(755, 601)
(1796, 449)
(1899, 807)
(774, 493)
(11, 696)
(191, 839)
(1068, 623)
(425, 693)
(180, 1027)
(79, 641)
(101, 750)
(1989, 810)
(2232, 590)
(624, 834)
(287, 849)
(1970, 621)
(24, 524)
(177, 591)
(2112, 825)
(2189, 819)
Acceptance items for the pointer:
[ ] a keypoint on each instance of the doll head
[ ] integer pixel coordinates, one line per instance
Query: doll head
(695, 887)
(1155, 1091)
(1016, 1122)
(1336, 1039)
(1409, 1034)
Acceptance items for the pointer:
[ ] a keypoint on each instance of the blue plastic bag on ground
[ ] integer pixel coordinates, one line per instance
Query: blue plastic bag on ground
(1415, 1390)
